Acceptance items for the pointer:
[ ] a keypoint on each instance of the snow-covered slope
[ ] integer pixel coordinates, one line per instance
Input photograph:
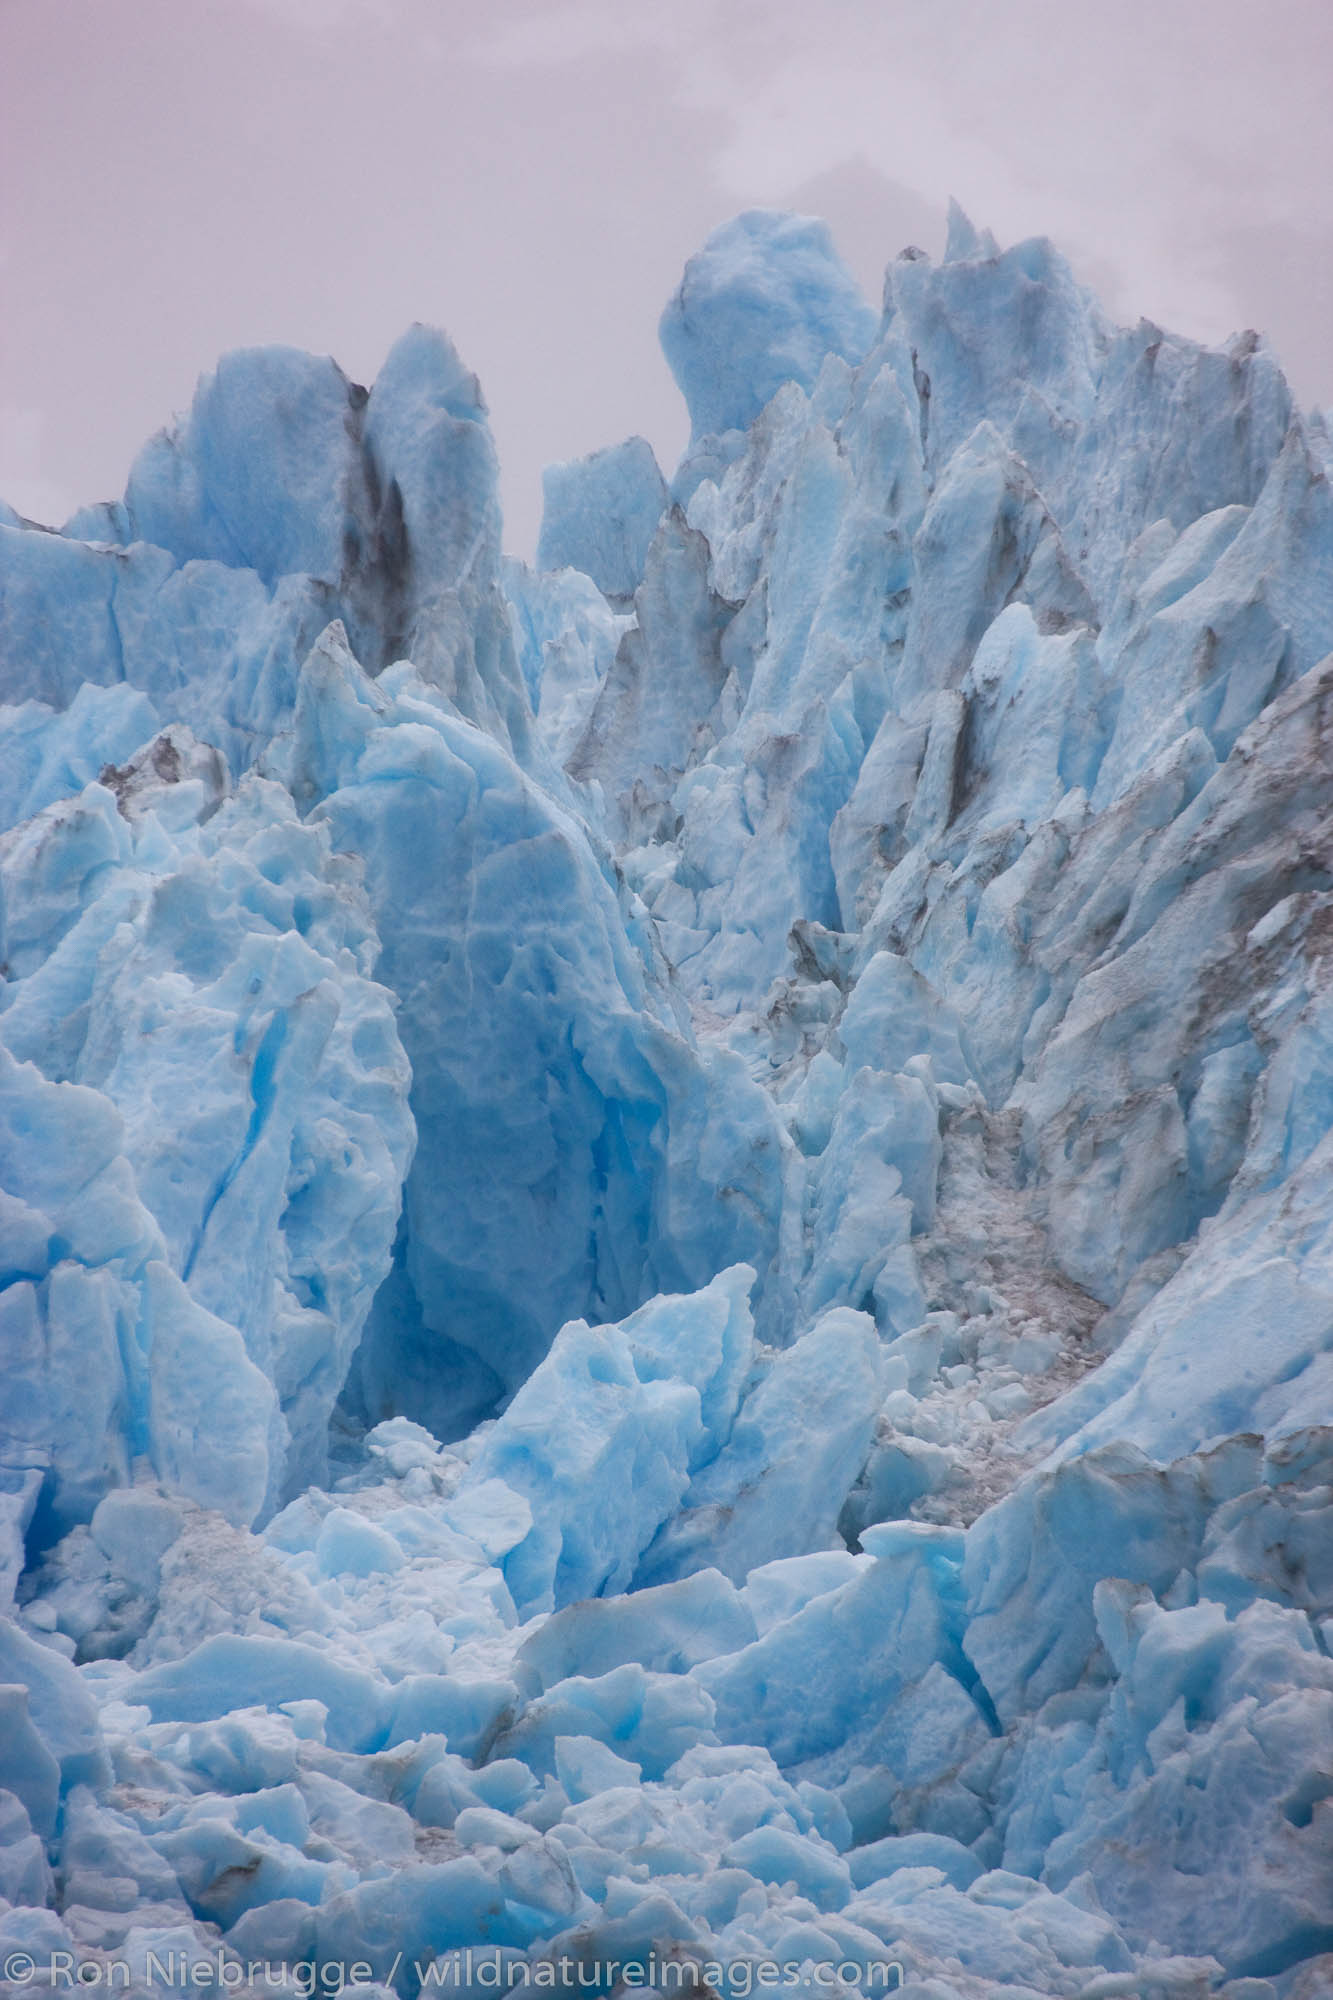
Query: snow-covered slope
(668, 1223)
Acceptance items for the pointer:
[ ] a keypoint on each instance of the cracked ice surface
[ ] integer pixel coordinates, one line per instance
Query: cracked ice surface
(667, 1274)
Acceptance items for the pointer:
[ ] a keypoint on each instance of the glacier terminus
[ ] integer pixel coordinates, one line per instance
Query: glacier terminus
(666, 1311)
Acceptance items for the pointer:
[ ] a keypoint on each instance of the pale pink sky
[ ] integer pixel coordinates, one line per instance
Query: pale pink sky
(178, 177)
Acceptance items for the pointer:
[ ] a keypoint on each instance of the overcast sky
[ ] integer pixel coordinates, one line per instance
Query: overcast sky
(178, 177)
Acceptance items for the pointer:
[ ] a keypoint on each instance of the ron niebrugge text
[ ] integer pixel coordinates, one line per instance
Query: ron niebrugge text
(460, 1970)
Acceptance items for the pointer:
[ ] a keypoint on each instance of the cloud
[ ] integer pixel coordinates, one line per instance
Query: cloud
(534, 173)
(24, 484)
(527, 34)
(1136, 134)
(320, 16)
(1144, 138)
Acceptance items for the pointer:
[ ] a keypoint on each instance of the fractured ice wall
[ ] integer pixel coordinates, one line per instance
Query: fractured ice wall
(667, 1278)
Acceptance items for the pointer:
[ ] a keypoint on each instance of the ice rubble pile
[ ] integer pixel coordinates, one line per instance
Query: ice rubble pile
(668, 1275)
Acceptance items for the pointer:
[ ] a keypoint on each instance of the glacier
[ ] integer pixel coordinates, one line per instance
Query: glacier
(667, 1216)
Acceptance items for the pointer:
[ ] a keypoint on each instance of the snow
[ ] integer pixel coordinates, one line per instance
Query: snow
(665, 1266)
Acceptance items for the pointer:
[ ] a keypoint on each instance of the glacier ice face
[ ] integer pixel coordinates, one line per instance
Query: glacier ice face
(666, 1279)
(800, 1437)
(289, 497)
(603, 1436)
(566, 635)
(258, 476)
(761, 304)
(600, 513)
(571, 1135)
(196, 972)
